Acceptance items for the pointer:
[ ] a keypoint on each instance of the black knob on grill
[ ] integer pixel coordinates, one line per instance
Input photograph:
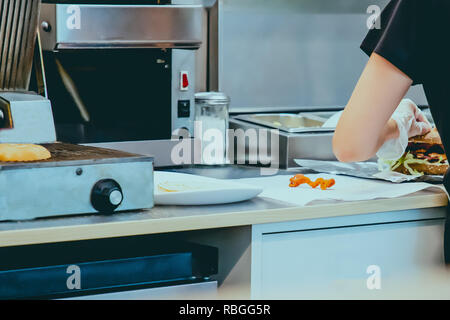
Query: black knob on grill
(106, 196)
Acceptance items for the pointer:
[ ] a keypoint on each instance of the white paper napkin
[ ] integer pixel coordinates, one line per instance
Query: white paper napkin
(345, 189)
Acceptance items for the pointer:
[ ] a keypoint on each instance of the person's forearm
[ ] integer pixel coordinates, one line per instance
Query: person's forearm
(367, 150)
(365, 126)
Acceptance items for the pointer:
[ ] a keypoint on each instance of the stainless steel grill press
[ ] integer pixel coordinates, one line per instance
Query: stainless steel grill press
(18, 25)
(76, 179)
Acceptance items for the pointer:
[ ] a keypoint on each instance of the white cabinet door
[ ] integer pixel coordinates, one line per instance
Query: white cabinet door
(384, 260)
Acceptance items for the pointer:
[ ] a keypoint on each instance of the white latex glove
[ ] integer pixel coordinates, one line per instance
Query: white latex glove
(411, 122)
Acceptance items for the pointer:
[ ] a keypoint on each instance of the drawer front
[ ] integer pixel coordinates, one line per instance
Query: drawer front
(346, 262)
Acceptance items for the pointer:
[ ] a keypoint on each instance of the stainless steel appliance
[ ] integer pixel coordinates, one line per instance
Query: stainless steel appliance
(76, 179)
(122, 74)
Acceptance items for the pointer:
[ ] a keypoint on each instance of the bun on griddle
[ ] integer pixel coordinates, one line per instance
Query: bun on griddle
(10, 152)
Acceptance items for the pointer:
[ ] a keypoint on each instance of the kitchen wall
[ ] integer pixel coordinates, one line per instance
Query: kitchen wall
(289, 54)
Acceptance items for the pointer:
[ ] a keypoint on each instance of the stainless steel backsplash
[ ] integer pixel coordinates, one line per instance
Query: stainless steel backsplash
(291, 54)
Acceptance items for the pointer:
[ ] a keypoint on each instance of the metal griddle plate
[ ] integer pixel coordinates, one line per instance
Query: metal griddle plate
(65, 154)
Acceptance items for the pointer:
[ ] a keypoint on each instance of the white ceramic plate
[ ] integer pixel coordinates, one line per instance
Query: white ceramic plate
(188, 189)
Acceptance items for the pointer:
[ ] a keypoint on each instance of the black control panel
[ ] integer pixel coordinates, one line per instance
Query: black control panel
(184, 108)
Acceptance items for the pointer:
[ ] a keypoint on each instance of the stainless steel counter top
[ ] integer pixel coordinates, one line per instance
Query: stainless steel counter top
(232, 171)
(155, 213)
(165, 219)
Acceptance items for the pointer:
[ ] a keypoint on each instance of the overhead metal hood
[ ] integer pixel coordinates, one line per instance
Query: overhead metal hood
(82, 26)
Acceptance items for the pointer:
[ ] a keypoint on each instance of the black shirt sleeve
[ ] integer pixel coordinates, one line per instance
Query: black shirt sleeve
(400, 38)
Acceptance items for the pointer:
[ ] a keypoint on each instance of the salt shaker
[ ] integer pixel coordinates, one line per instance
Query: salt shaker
(211, 121)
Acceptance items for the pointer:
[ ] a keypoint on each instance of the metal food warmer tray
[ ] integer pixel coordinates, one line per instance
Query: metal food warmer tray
(291, 123)
(300, 136)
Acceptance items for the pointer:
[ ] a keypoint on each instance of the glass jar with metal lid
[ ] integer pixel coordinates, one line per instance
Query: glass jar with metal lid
(211, 122)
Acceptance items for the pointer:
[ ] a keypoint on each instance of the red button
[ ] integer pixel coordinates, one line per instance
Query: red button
(185, 81)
